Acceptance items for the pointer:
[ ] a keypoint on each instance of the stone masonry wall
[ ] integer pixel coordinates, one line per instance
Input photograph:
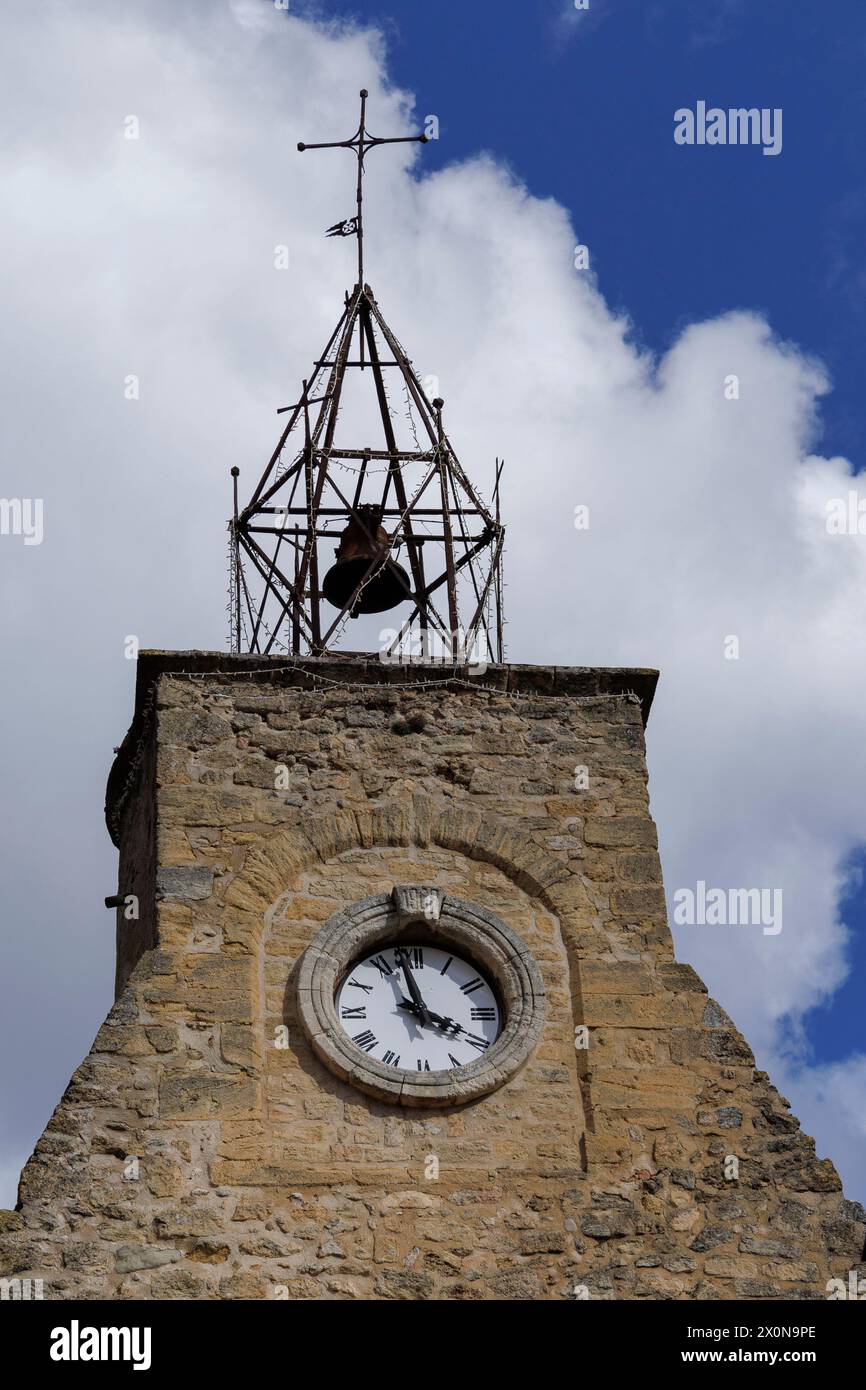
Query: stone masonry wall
(191, 1157)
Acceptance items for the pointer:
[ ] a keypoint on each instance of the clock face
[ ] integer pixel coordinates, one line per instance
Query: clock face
(418, 1008)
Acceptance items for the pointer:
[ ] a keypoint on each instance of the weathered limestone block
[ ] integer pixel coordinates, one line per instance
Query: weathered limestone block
(218, 987)
(200, 1095)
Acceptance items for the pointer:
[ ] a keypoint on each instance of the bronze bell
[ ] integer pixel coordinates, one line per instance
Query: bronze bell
(360, 544)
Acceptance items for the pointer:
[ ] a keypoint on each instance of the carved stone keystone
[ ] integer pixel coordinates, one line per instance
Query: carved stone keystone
(415, 900)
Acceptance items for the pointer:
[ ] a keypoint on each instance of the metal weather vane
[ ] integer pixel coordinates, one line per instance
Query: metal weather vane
(411, 495)
(360, 142)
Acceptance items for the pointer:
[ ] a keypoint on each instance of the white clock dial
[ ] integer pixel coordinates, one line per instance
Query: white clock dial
(418, 1008)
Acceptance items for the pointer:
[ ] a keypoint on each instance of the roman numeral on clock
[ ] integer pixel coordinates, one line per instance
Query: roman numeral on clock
(446, 965)
(356, 984)
(426, 1066)
(480, 1043)
(417, 958)
(479, 1014)
(453, 1060)
(391, 1059)
(381, 965)
(471, 985)
(367, 1040)
(361, 1012)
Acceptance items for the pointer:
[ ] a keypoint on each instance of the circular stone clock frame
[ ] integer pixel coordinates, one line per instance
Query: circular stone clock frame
(427, 916)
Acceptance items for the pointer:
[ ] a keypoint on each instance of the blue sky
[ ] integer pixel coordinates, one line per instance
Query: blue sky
(835, 1029)
(580, 106)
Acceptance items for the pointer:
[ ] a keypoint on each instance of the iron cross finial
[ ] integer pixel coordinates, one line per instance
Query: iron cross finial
(361, 142)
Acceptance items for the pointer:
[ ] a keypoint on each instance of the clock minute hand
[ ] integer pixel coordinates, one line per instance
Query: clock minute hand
(420, 1007)
(446, 1023)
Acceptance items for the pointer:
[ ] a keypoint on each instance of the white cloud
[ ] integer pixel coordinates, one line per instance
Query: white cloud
(155, 257)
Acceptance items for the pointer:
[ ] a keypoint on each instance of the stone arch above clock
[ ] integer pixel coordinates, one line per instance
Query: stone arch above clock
(417, 820)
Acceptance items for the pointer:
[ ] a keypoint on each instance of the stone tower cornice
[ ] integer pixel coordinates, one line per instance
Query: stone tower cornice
(354, 669)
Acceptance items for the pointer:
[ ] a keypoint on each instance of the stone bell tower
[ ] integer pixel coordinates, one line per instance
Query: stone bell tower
(215, 1145)
(398, 1014)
